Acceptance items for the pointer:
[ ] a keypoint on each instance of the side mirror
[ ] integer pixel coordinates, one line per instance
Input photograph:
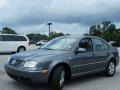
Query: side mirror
(81, 50)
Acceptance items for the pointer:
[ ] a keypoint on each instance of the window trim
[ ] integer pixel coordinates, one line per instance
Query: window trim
(101, 42)
(106, 45)
(91, 44)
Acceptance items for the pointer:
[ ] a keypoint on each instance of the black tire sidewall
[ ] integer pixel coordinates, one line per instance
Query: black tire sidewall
(56, 78)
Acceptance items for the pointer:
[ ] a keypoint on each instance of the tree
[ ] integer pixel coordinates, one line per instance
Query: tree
(95, 30)
(7, 30)
(106, 30)
(36, 37)
(68, 34)
(55, 34)
(31, 36)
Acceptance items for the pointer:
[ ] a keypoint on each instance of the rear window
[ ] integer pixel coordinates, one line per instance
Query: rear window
(14, 38)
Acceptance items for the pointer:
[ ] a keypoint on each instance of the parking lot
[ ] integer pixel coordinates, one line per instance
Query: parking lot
(92, 82)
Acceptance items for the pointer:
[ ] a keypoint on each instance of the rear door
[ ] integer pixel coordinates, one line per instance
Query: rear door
(22, 41)
(9, 43)
(101, 53)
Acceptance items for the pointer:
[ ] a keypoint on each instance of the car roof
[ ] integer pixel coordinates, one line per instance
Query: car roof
(85, 36)
(81, 36)
(12, 34)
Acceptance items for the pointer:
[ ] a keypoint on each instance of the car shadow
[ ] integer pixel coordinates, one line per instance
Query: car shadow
(41, 86)
(7, 53)
(72, 82)
(31, 86)
(88, 78)
(85, 79)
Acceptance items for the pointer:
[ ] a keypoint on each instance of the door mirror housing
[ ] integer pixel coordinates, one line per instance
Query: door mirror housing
(81, 50)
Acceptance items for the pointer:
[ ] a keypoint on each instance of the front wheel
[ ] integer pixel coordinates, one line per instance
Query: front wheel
(58, 78)
(111, 69)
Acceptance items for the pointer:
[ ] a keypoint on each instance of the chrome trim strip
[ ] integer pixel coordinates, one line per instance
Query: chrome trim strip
(88, 72)
(88, 64)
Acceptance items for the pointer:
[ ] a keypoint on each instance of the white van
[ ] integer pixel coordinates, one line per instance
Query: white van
(13, 43)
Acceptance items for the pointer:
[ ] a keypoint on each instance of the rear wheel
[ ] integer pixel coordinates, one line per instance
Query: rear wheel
(111, 69)
(21, 49)
(58, 78)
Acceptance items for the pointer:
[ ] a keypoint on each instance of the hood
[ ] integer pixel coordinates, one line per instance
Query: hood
(37, 54)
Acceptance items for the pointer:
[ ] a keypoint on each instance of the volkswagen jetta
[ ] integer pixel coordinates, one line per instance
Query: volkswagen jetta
(63, 58)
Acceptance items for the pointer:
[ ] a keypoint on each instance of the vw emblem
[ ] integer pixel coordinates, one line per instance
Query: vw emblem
(13, 62)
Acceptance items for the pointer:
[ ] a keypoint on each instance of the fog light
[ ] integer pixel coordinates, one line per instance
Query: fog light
(44, 71)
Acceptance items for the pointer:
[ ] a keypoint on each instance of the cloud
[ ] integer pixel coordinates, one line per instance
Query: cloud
(67, 15)
(74, 29)
(2, 3)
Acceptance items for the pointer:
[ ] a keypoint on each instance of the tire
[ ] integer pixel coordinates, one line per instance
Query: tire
(110, 69)
(21, 49)
(58, 78)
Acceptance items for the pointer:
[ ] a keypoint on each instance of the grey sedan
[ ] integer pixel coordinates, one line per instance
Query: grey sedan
(63, 58)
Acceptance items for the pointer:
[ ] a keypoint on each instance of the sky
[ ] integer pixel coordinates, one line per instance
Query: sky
(68, 16)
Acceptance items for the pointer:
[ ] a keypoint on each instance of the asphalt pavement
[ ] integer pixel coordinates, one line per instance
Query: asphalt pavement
(91, 82)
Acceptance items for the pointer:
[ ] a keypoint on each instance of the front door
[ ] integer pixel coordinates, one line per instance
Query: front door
(83, 62)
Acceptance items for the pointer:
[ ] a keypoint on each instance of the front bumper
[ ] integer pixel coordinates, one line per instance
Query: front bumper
(25, 75)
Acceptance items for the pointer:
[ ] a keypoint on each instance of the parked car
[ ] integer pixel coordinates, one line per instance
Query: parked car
(63, 58)
(42, 42)
(13, 43)
(32, 43)
(115, 43)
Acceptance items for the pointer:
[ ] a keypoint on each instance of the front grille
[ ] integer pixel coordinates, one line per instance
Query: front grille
(15, 62)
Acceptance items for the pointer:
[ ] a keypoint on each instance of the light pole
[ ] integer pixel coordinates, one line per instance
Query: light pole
(49, 24)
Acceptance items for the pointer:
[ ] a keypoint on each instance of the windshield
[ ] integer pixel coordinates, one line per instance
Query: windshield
(62, 43)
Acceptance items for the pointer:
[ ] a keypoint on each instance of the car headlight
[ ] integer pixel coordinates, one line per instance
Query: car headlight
(30, 64)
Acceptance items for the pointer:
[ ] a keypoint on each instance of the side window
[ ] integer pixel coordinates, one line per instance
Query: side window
(8, 38)
(86, 43)
(14, 38)
(1, 38)
(20, 38)
(105, 46)
(98, 45)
